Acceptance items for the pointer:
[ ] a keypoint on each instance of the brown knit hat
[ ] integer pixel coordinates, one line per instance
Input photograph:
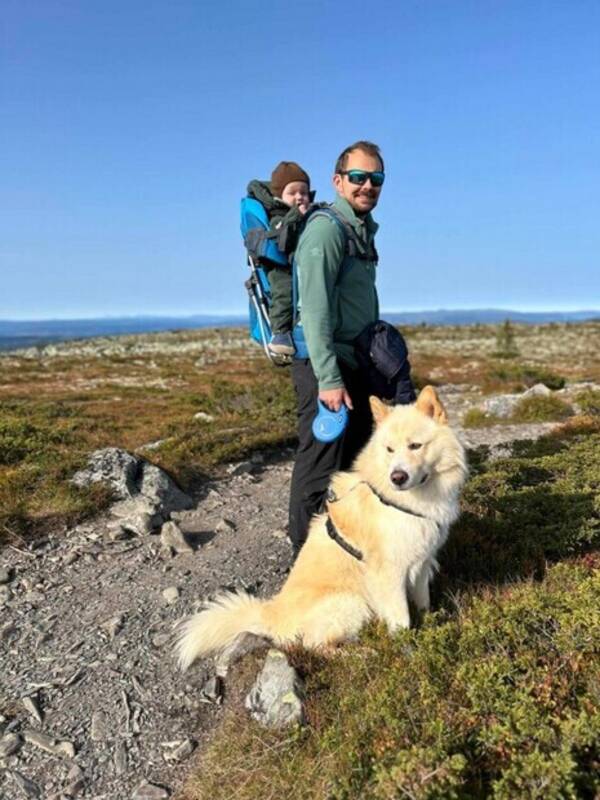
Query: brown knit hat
(287, 172)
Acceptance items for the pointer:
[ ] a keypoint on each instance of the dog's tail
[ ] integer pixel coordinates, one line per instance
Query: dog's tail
(216, 626)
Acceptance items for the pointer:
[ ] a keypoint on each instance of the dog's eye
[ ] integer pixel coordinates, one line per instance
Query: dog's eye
(389, 449)
(414, 445)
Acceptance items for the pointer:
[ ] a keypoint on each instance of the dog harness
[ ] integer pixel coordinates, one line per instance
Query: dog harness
(334, 533)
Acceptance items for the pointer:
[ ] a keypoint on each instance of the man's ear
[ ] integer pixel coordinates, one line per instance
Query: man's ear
(379, 409)
(337, 182)
(430, 404)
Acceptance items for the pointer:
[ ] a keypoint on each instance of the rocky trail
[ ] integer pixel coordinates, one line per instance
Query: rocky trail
(91, 702)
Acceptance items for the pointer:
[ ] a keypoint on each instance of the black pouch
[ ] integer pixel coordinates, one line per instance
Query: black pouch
(382, 356)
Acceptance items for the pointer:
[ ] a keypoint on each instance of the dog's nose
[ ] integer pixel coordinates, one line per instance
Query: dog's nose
(399, 477)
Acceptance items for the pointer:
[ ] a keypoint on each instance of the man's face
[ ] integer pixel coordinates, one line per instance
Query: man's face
(362, 198)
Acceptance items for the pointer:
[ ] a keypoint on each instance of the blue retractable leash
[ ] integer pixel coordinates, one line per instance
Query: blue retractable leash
(328, 425)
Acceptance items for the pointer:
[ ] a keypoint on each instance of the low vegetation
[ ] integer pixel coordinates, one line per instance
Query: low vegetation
(496, 692)
(538, 408)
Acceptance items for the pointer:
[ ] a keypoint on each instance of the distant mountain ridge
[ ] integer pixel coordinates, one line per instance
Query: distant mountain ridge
(29, 333)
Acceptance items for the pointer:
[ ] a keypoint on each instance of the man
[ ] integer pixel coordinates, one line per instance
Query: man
(338, 300)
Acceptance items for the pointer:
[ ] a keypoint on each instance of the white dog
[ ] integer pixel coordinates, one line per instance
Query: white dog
(372, 548)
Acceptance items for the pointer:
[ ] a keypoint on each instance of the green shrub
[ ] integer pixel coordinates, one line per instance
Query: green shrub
(526, 376)
(541, 408)
(589, 402)
(477, 418)
(497, 701)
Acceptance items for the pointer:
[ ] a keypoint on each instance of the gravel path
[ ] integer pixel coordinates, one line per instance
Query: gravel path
(90, 702)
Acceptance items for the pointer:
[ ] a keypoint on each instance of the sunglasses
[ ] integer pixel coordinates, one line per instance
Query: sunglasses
(359, 176)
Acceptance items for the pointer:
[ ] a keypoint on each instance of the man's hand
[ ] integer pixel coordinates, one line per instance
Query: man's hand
(333, 398)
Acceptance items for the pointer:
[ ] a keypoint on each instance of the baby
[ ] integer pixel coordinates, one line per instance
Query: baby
(291, 185)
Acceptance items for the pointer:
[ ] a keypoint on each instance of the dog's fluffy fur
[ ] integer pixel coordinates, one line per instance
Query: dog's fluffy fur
(413, 459)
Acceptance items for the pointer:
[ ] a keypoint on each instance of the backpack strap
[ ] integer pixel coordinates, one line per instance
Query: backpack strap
(355, 248)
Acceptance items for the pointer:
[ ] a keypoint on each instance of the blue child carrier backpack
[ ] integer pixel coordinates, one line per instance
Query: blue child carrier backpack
(262, 249)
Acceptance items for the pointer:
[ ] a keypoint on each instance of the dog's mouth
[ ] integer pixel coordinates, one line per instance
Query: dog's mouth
(424, 479)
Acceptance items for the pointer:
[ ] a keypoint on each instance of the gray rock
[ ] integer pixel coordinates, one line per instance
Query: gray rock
(156, 484)
(180, 751)
(6, 575)
(48, 743)
(5, 595)
(275, 700)
(171, 594)
(130, 476)
(204, 417)
(28, 787)
(116, 467)
(224, 526)
(120, 758)
(9, 744)
(149, 791)
(32, 706)
(99, 727)
(539, 390)
(502, 405)
(243, 468)
(212, 691)
(75, 781)
(171, 536)
(113, 625)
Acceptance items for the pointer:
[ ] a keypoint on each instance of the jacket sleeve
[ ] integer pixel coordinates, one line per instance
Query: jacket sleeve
(318, 261)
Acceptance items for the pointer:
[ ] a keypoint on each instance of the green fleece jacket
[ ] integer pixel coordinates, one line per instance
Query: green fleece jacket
(335, 304)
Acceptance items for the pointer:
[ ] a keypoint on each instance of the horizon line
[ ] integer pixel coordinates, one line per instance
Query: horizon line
(244, 313)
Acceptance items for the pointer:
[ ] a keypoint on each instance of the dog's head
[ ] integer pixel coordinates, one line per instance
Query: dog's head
(413, 445)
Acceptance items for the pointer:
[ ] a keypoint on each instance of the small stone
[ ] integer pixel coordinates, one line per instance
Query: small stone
(171, 536)
(66, 749)
(9, 744)
(243, 468)
(34, 598)
(48, 743)
(181, 751)
(279, 533)
(5, 595)
(538, 390)
(159, 640)
(204, 417)
(149, 791)
(28, 787)
(275, 699)
(225, 526)
(171, 594)
(113, 625)
(70, 558)
(75, 780)
(99, 727)
(32, 706)
(6, 575)
(212, 691)
(120, 758)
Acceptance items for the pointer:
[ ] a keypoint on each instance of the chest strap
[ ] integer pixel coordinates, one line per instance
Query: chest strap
(336, 536)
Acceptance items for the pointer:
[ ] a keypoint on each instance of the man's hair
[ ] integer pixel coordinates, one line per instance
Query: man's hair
(367, 147)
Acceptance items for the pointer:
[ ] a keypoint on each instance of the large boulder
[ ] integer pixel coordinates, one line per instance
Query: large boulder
(138, 484)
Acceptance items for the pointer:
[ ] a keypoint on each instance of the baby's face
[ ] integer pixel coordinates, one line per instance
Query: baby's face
(296, 193)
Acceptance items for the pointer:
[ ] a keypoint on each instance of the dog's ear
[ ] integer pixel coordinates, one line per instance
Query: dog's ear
(379, 409)
(430, 404)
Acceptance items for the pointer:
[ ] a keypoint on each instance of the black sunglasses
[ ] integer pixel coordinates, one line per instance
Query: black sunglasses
(360, 176)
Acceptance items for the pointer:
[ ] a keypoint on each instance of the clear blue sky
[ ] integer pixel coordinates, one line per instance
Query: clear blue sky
(129, 130)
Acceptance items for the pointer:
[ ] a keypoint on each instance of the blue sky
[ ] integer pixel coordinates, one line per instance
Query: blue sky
(129, 130)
